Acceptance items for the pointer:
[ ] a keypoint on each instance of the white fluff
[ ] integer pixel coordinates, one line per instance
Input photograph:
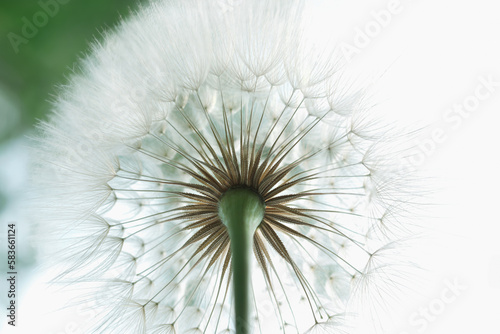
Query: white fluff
(98, 198)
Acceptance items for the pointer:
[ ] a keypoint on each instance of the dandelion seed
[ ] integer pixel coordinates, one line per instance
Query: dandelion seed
(207, 172)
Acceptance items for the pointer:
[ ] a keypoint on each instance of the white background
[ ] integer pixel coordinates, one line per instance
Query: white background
(423, 58)
(428, 56)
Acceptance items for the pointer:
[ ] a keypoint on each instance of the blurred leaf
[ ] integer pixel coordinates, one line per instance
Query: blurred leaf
(45, 57)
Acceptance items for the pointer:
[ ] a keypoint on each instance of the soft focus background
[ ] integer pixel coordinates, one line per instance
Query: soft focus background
(435, 64)
(40, 41)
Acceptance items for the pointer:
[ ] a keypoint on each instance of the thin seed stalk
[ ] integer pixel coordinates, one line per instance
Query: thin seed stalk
(242, 211)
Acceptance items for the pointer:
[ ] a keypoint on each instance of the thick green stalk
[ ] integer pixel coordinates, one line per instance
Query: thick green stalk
(241, 210)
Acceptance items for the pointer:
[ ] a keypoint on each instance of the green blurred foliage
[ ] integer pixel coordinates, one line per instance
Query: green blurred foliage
(28, 78)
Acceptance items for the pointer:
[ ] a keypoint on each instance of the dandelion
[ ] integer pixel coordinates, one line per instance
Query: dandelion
(211, 171)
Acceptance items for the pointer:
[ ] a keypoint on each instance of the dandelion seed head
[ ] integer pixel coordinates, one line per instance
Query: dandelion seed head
(180, 104)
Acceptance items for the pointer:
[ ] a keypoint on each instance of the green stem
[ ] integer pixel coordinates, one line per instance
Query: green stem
(241, 210)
